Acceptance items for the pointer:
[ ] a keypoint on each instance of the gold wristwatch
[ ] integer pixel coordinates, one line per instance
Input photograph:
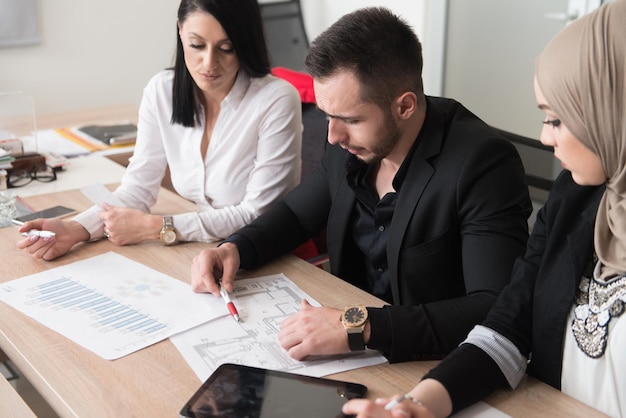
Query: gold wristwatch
(168, 233)
(354, 319)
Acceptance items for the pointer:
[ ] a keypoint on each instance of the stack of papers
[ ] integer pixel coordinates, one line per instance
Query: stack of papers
(9, 147)
(62, 141)
(5, 159)
(71, 142)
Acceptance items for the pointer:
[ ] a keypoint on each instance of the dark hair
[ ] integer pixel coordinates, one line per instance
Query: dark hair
(241, 20)
(378, 47)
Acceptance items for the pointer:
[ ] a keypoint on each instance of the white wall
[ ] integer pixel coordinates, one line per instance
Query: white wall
(92, 53)
(319, 14)
(426, 17)
(101, 53)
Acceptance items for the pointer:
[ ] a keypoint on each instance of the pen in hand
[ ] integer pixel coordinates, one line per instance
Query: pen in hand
(389, 406)
(229, 303)
(36, 232)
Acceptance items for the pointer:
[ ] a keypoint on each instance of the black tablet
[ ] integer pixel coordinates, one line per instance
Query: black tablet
(237, 391)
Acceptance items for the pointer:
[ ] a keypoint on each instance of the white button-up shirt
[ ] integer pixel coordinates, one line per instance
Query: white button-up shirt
(253, 158)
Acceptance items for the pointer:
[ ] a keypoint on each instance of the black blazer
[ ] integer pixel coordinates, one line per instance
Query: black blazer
(532, 312)
(460, 221)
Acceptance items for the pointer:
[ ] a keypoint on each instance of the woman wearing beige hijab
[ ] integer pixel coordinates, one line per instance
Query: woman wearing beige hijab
(567, 295)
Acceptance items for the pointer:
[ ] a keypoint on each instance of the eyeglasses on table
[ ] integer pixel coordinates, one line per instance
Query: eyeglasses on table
(20, 178)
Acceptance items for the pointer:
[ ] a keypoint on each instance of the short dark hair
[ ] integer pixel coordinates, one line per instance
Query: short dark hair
(241, 20)
(381, 50)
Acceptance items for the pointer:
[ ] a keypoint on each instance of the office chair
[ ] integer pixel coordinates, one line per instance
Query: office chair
(538, 161)
(314, 133)
(285, 35)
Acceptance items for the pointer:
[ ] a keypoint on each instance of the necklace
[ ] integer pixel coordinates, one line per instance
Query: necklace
(597, 302)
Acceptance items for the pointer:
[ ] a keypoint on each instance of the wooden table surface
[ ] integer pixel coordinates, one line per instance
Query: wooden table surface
(11, 404)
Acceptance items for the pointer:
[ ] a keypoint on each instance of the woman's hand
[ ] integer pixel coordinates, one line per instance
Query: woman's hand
(123, 226)
(68, 234)
(363, 408)
(426, 400)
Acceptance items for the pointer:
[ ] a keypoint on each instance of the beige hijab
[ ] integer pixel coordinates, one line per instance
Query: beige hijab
(581, 74)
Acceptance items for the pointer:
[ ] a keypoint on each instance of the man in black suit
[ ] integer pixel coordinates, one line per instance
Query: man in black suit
(424, 205)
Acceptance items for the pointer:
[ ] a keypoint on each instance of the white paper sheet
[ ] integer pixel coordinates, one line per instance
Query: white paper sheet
(263, 304)
(480, 410)
(48, 141)
(110, 304)
(99, 194)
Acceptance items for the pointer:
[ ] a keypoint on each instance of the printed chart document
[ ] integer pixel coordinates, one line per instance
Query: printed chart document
(110, 304)
(263, 303)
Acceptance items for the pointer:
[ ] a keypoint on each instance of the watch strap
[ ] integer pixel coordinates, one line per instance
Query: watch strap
(168, 222)
(356, 340)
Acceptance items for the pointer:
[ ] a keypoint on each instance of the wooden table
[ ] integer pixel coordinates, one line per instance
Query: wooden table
(156, 381)
(11, 404)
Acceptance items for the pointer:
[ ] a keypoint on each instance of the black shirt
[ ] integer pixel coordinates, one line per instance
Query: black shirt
(371, 221)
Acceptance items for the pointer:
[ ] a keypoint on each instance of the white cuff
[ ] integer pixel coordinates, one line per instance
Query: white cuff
(501, 350)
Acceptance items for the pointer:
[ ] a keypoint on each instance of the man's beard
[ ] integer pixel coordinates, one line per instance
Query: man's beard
(389, 137)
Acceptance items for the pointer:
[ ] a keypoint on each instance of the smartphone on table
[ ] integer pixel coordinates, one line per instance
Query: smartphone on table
(58, 211)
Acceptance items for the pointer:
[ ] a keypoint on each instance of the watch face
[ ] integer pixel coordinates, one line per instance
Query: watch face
(354, 316)
(169, 236)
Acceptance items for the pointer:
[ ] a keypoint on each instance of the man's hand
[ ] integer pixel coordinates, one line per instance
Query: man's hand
(213, 265)
(313, 331)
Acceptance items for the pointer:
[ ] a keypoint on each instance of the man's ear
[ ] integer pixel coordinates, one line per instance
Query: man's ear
(405, 105)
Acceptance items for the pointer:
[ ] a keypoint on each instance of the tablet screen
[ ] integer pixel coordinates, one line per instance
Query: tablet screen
(237, 391)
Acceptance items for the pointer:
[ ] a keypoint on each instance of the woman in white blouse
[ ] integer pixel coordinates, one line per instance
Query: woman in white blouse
(228, 130)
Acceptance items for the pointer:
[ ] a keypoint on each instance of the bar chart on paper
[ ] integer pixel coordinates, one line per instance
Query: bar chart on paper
(104, 313)
(109, 304)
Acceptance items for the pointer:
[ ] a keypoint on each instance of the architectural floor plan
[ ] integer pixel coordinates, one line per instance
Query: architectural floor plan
(263, 304)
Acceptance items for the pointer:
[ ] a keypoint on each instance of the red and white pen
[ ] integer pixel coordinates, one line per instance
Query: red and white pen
(229, 303)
